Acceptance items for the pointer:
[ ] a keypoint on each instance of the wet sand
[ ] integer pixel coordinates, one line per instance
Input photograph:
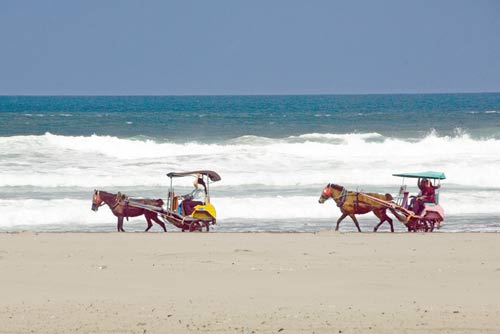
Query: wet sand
(249, 283)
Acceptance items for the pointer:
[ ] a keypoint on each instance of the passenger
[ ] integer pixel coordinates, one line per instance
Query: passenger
(429, 191)
(195, 197)
(427, 194)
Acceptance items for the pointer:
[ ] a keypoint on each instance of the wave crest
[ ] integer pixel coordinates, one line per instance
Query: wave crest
(310, 159)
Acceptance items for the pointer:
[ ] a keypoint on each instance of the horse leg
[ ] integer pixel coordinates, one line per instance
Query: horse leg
(382, 215)
(150, 224)
(159, 222)
(339, 220)
(377, 226)
(119, 226)
(353, 217)
(379, 216)
(389, 220)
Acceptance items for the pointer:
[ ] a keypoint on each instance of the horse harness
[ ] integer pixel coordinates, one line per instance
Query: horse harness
(119, 198)
(340, 200)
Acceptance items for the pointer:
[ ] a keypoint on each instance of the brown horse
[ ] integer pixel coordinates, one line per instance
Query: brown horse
(121, 209)
(353, 203)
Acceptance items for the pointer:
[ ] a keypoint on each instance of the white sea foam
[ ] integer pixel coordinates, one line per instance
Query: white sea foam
(485, 112)
(254, 209)
(42, 212)
(307, 207)
(102, 161)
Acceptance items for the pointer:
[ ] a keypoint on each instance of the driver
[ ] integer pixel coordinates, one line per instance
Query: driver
(195, 197)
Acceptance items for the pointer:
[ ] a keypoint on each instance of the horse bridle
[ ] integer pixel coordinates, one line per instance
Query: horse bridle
(102, 202)
(342, 196)
(118, 201)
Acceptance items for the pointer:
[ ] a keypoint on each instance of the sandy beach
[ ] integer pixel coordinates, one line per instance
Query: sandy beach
(249, 283)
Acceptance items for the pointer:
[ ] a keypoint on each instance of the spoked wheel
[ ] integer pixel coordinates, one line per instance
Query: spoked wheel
(432, 223)
(420, 225)
(438, 223)
(195, 226)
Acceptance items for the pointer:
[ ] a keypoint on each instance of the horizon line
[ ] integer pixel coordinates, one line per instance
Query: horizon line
(249, 95)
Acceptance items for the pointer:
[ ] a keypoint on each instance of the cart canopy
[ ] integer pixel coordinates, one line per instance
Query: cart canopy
(214, 177)
(427, 175)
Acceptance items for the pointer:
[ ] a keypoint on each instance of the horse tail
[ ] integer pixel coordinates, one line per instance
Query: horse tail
(389, 197)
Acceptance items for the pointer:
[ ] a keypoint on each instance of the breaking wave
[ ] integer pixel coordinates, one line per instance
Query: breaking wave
(363, 159)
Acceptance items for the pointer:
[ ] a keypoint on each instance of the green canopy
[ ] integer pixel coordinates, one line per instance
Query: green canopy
(427, 175)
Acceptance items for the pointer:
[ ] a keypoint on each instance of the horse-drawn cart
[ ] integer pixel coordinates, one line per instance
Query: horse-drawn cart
(185, 212)
(423, 212)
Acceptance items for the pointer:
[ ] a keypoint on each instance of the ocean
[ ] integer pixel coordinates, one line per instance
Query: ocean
(274, 154)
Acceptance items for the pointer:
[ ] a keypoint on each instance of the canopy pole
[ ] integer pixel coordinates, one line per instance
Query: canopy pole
(208, 189)
(171, 195)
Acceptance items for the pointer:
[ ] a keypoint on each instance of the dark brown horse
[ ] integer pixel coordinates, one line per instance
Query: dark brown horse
(120, 209)
(353, 203)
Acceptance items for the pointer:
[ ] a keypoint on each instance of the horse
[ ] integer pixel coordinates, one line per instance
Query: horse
(353, 203)
(121, 209)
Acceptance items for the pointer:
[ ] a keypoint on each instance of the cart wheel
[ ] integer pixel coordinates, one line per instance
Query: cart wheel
(438, 223)
(418, 225)
(423, 225)
(195, 226)
(412, 226)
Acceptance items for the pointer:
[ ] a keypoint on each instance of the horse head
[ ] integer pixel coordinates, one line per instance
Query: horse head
(97, 201)
(325, 194)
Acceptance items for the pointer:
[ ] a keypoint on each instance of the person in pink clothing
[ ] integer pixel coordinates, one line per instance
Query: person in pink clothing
(427, 195)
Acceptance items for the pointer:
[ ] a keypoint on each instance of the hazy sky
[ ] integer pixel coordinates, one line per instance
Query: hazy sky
(248, 47)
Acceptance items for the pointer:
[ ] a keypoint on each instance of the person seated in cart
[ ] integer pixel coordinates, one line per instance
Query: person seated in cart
(427, 194)
(195, 197)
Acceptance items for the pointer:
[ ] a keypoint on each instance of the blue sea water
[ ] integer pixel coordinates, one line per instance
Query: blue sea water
(274, 153)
